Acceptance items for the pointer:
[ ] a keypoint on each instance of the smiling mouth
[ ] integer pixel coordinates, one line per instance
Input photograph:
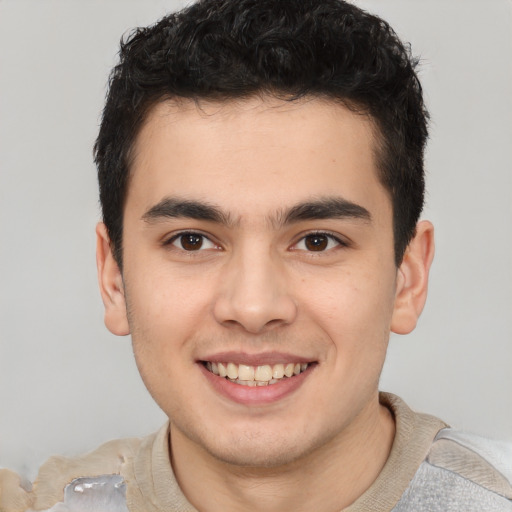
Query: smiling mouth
(264, 375)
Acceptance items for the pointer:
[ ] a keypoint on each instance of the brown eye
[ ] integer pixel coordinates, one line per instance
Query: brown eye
(191, 241)
(316, 242)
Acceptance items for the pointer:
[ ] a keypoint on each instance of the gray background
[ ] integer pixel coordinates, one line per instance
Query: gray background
(66, 384)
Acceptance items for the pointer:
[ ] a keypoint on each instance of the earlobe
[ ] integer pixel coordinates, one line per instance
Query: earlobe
(111, 285)
(412, 279)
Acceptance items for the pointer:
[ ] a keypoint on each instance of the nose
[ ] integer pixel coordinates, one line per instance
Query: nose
(254, 293)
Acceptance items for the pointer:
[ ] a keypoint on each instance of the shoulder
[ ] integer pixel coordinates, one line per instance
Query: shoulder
(94, 481)
(462, 472)
(473, 456)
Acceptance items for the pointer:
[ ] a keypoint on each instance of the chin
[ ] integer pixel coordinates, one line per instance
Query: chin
(256, 455)
(257, 448)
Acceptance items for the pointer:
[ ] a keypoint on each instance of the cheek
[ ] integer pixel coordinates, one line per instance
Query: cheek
(355, 308)
(165, 299)
(354, 295)
(164, 315)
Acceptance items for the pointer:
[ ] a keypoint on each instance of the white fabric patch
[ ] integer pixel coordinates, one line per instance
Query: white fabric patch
(105, 493)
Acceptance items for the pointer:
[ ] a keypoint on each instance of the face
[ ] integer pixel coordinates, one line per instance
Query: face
(258, 243)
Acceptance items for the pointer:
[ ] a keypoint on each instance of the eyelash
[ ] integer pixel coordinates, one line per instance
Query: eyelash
(329, 236)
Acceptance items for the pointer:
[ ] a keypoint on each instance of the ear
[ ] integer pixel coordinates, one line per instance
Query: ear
(412, 279)
(110, 280)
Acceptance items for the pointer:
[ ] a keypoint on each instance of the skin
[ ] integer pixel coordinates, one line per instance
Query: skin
(255, 288)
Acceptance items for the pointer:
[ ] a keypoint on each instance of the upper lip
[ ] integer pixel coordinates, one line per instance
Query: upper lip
(260, 359)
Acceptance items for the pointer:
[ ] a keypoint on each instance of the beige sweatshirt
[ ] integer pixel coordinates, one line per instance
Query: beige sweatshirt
(430, 468)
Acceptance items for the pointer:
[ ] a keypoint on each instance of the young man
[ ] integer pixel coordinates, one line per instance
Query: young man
(261, 179)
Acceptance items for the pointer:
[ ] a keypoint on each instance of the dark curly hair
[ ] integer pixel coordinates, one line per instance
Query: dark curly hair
(227, 49)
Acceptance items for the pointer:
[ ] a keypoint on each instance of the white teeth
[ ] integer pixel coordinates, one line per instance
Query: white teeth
(222, 370)
(232, 371)
(250, 383)
(263, 375)
(288, 369)
(246, 372)
(278, 371)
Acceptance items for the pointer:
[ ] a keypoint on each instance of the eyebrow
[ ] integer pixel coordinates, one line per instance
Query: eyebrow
(325, 208)
(322, 208)
(172, 207)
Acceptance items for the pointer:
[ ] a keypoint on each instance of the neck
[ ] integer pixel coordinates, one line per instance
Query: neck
(339, 471)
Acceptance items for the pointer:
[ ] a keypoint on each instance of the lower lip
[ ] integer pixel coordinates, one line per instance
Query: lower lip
(255, 395)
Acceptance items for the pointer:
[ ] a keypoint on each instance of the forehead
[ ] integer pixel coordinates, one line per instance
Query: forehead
(245, 153)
